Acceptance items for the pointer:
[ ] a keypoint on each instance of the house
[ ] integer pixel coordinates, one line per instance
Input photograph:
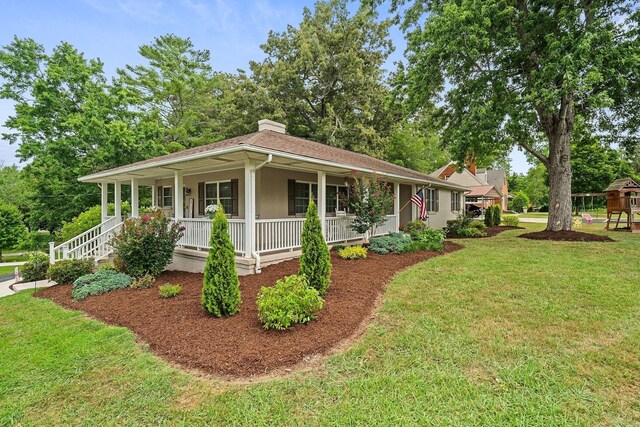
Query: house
(486, 187)
(264, 181)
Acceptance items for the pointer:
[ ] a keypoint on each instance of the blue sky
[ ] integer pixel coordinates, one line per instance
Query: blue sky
(112, 30)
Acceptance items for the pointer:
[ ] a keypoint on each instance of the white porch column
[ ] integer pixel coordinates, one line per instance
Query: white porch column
(322, 198)
(104, 200)
(134, 198)
(117, 200)
(414, 208)
(178, 185)
(396, 204)
(249, 208)
(154, 196)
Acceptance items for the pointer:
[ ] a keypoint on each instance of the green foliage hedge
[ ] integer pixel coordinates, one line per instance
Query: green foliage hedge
(414, 227)
(353, 252)
(169, 291)
(290, 301)
(68, 271)
(428, 239)
(36, 267)
(145, 245)
(99, 283)
(510, 221)
(315, 261)
(221, 286)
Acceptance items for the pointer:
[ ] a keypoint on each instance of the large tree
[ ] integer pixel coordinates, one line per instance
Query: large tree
(195, 104)
(326, 77)
(68, 122)
(518, 72)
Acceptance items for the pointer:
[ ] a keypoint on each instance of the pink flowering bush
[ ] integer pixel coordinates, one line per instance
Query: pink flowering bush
(369, 199)
(145, 245)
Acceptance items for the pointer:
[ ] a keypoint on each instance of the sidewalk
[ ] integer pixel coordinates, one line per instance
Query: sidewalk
(5, 290)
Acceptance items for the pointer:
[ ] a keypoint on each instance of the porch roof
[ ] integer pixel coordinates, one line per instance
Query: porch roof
(287, 151)
(483, 191)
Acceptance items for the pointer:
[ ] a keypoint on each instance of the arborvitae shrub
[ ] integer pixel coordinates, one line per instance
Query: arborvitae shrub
(221, 286)
(488, 217)
(315, 262)
(497, 213)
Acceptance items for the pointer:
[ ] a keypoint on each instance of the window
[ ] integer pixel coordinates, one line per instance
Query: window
(303, 190)
(472, 199)
(222, 191)
(336, 198)
(455, 201)
(167, 197)
(433, 200)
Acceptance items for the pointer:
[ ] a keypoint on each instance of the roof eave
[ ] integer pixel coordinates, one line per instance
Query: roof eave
(105, 175)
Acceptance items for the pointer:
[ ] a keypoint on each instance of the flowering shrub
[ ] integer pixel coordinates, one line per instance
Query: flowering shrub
(36, 267)
(145, 245)
(369, 200)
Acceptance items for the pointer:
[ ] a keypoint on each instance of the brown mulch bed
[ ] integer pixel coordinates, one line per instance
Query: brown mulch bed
(566, 236)
(179, 330)
(491, 231)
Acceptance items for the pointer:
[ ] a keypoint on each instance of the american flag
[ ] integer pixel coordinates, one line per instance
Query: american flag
(420, 202)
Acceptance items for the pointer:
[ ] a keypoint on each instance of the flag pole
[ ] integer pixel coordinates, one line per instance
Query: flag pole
(405, 205)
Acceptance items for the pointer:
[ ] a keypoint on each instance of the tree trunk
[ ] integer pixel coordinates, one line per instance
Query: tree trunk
(560, 209)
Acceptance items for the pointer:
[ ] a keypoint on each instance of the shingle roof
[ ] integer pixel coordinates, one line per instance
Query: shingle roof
(287, 144)
(621, 183)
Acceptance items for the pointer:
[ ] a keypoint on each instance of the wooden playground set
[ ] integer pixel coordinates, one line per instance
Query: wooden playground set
(623, 204)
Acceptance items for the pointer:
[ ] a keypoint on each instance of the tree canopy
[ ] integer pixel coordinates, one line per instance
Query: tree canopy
(519, 72)
(326, 77)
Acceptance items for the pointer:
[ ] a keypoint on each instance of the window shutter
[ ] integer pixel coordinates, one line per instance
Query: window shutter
(292, 196)
(234, 197)
(201, 198)
(437, 193)
(159, 197)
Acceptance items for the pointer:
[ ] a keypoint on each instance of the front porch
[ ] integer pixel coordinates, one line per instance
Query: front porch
(266, 204)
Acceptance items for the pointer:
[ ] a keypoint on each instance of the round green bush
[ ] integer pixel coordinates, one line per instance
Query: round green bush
(290, 301)
(67, 271)
(36, 267)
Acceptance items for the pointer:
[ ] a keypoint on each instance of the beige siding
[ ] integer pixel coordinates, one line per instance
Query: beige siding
(272, 197)
(191, 182)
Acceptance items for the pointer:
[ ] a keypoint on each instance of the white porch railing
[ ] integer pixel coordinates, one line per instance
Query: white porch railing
(278, 234)
(387, 227)
(270, 235)
(92, 243)
(338, 229)
(197, 233)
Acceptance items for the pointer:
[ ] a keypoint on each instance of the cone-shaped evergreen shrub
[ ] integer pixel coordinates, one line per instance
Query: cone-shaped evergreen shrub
(315, 262)
(221, 286)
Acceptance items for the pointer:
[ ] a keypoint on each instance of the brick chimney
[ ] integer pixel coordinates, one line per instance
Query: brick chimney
(472, 167)
(265, 124)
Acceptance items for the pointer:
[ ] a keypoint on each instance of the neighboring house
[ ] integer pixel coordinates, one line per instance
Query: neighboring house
(486, 187)
(264, 180)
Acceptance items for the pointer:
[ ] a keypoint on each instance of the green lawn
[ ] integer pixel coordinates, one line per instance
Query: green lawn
(505, 332)
(7, 270)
